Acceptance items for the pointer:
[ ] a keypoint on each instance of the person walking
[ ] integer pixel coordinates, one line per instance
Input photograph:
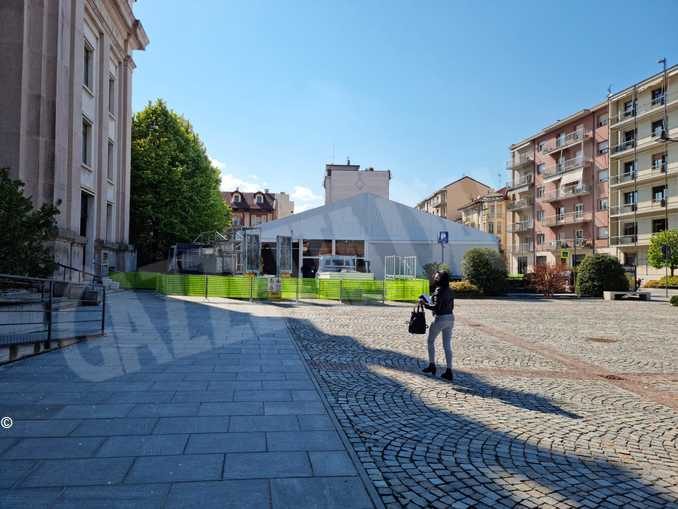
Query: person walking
(442, 306)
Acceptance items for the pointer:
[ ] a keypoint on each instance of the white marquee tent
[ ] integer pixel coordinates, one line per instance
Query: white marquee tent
(385, 228)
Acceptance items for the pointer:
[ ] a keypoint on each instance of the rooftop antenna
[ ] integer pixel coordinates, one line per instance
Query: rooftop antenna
(609, 90)
(348, 161)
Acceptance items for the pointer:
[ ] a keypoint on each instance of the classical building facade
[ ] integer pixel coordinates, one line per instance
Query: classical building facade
(347, 180)
(447, 201)
(558, 208)
(253, 209)
(643, 167)
(487, 213)
(66, 81)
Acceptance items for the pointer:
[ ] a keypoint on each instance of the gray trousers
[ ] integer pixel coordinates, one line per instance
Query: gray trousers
(444, 324)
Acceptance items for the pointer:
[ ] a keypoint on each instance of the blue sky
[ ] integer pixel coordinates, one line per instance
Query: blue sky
(431, 90)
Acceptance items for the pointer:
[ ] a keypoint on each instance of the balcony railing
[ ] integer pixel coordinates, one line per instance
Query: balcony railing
(519, 204)
(623, 240)
(521, 226)
(556, 245)
(523, 247)
(626, 145)
(567, 218)
(563, 142)
(656, 170)
(519, 162)
(641, 208)
(565, 166)
(567, 192)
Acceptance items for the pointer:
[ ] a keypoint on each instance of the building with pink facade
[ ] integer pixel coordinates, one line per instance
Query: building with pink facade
(558, 208)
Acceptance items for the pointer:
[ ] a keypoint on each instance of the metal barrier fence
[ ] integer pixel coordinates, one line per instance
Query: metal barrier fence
(289, 288)
(34, 310)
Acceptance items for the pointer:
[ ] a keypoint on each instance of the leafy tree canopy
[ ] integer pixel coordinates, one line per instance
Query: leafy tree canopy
(655, 257)
(599, 273)
(485, 268)
(25, 231)
(175, 189)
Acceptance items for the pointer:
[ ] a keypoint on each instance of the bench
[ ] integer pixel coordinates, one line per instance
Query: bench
(621, 295)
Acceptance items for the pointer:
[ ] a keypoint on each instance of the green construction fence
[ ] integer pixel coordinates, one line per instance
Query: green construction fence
(291, 288)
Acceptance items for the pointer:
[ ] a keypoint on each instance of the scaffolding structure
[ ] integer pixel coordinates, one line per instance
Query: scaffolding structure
(238, 251)
(400, 267)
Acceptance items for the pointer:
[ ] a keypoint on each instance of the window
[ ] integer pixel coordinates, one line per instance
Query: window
(540, 168)
(540, 215)
(603, 147)
(603, 176)
(260, 199)
(350, 248)
(658, 225)
(602, 120)
(629, 137)
(657, 96)
(522, 264)
(236, 198)
(540, 146)
(659, 162)
(658, 194)
(490, 227)
(579, 234)
(111, 94)
(86, 142)
(657, 128)
(540, 191)
(109, 222)
(88, 67)
(579, 210)
(109, 168)
(630, 108)
(541, 261)
(317, 247)
(630, 198)
(237, 221)
(603, 232)
(603, 204)
(84, 212)
(629, 167)
(540, 239)
(630, 229)
(560, 212)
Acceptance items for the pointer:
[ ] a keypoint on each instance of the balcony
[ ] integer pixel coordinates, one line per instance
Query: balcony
(567, 218)
(519, 205)
(521, 226)
(655, 171)
(562, 142)
(523, 247)
(624, 240)
(568, 165)
(648, 207)
(644, 108)
(521, 181)
(568, 192)
(519, 163)
(557, 245)
(651, 140)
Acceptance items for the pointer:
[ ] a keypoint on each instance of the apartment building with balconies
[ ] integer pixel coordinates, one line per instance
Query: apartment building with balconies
(447, 201)
(558, 192)
(643, 167)
(487, 213)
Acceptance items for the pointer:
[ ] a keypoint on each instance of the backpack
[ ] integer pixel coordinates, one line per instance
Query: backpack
(417, 323)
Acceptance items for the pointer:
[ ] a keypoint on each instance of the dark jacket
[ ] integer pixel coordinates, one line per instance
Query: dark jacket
(442, 301)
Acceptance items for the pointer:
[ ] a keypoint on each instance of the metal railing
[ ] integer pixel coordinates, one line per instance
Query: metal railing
(523, 247)
(640, 208)
(522, 180)
(568, 192)
(623, 240)
(521, 226)
(567, 218)
(643, 107)
(519, 204)
(34, 310)
(565, 166)
(565, 141)
(519, 162)
(553, 245)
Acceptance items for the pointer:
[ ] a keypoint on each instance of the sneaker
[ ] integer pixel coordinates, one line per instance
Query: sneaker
(447, 375)
(430, 369)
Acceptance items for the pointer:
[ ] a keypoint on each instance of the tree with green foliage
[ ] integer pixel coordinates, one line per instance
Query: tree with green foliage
(598, 273)
(175, 188)
(655, 257)
(485, 268)
(26, 232)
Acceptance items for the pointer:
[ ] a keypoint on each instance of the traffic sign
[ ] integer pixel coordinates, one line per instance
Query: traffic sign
(564, 253)
(443, 237)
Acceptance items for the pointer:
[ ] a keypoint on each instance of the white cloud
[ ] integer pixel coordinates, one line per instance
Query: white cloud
(217, 164)
(229, 181)
(304, 199)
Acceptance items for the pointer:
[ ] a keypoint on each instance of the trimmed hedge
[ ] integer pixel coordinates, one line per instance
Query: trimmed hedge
(463, 289)
(599, 273)
(661, 283)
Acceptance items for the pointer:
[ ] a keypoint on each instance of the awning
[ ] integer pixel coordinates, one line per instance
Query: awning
(571, 177)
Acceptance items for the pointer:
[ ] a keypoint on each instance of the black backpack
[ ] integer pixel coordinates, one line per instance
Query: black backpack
(417, 323)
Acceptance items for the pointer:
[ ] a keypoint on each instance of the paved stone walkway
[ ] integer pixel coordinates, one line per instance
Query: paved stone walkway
(180, 405)
(555, 403)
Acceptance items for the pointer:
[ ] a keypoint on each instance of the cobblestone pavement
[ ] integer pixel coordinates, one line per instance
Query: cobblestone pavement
(554, 403)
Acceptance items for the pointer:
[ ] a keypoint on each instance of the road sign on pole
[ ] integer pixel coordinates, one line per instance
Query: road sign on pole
(443, 238)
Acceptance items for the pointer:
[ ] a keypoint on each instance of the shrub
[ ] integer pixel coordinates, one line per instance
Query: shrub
(598, 273)
(674, 300)
(463, 289)
(485, 268)
(549, 279)
(661, 283)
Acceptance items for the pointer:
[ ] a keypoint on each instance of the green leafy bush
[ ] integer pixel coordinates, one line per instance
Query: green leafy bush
(485, 268)
(674, 300)
(598, 273)
(464, 288)
(661, 283)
